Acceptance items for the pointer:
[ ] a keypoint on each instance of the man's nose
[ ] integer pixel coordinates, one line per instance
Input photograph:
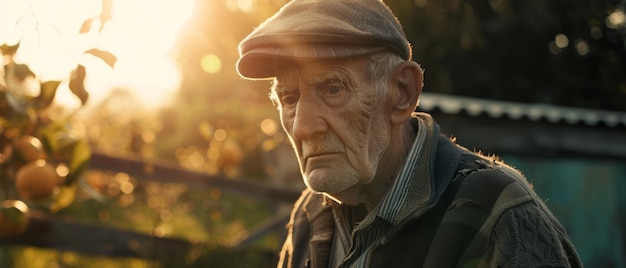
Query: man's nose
(309, 120)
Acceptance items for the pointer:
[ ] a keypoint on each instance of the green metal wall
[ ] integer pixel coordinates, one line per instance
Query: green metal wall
(587, 196)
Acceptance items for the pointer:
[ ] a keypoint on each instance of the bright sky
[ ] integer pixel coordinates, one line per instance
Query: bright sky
(140, 34)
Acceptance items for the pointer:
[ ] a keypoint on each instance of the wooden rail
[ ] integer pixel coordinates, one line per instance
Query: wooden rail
(163, 172)
(51, 231)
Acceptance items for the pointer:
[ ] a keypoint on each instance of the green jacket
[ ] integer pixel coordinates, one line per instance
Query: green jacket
(480, 213)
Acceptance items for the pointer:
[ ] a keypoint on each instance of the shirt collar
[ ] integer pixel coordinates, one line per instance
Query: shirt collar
(411, 188)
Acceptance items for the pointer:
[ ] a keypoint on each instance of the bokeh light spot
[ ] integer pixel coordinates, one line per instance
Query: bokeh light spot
(269, 127)
(113, 189)
(582, 47)
(148, 136)
(62, 170)
(126, 200)
(127, 187)
(220, 135)
(561, 41)
(158, 231)
(166, 216)
(616, 19)
(121, 177)
(211, 63)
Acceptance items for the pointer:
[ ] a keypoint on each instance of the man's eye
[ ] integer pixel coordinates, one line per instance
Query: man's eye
(288, 98)
(333, 89)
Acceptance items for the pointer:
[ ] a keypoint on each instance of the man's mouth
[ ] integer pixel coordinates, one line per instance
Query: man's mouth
(319, 155)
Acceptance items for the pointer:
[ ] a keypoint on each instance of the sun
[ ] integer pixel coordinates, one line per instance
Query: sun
(140, 33)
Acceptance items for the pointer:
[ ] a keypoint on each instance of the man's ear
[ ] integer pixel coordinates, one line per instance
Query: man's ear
(407, 82)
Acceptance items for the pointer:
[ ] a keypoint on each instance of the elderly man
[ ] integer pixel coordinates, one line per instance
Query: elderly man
(384, 188)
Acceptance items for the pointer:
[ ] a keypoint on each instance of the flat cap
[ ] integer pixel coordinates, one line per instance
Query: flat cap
(321, 29)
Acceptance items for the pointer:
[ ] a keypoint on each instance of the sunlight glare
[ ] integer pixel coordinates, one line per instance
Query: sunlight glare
(145, 25)
(242, 5)
(44, 31)
(140, 34)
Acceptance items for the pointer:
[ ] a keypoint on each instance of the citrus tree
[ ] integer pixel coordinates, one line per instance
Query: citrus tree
(41, 158)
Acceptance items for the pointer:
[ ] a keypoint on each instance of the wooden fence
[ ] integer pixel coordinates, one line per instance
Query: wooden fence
(55, 232)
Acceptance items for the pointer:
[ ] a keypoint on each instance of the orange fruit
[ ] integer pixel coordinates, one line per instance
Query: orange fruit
(13, 218)
(29, 148)
(36, 180)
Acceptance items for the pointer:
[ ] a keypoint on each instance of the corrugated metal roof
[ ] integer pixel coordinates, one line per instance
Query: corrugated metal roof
(473, 106)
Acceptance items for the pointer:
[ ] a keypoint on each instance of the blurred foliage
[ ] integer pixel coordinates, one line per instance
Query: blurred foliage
(564, 52)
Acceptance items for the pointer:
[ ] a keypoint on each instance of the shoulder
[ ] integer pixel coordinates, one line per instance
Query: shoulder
(490, 186)
(520, 228)
(488, 177)
(501, 197)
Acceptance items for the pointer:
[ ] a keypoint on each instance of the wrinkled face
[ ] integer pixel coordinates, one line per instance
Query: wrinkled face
(336, 120)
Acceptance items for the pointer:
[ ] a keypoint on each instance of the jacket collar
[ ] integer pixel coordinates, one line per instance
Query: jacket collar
(427, 172)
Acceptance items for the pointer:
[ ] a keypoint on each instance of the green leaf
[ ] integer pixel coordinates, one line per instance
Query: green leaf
(77, 84)
(49, 140)
(67, 148)
(106, 56)
(64, 198)
(81, 154)
(46, 95)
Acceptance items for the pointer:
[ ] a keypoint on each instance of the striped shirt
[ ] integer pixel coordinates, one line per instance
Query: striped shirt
(405, 196)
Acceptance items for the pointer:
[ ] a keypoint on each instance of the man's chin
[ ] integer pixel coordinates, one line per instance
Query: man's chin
(327, 184)
(323, 188)
(341, 193)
